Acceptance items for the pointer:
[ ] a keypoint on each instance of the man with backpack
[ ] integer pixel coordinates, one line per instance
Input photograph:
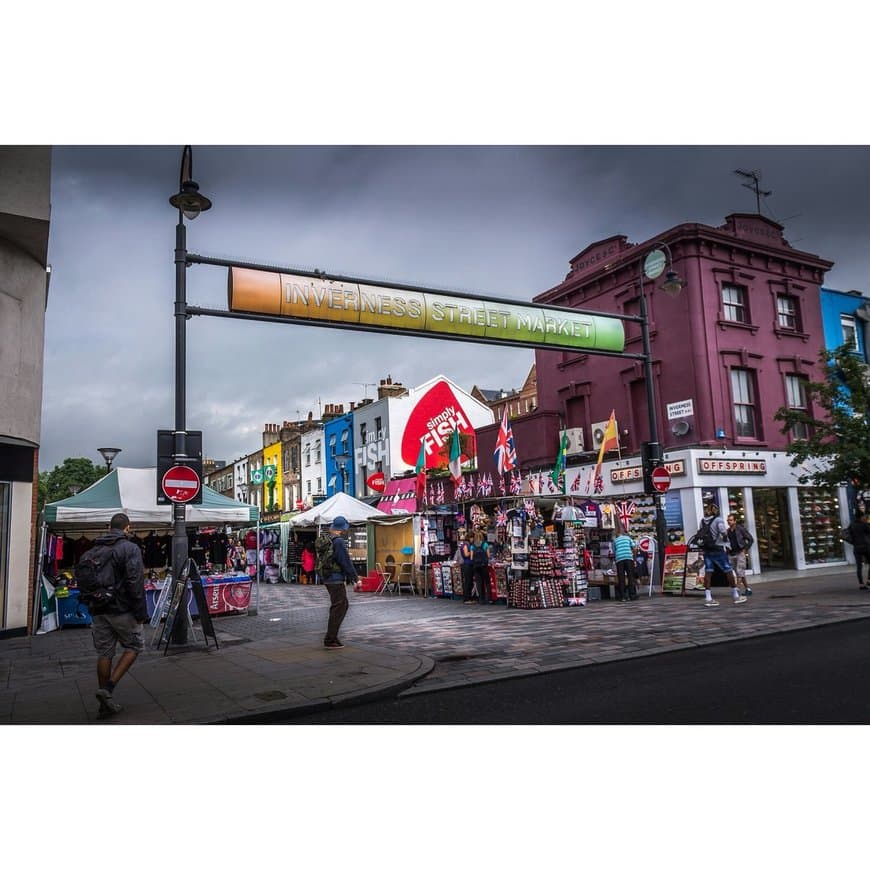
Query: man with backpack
(712, 537)
(335, 569)
(111, 580)
(740, 542)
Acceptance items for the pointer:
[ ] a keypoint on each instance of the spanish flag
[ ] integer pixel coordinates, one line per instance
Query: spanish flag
(609, 442)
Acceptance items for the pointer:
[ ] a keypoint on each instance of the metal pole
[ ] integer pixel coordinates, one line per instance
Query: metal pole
(655, 448)
(179, 531)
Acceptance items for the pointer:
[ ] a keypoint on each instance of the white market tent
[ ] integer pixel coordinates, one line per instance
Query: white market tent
(339, 505)
(133, 491)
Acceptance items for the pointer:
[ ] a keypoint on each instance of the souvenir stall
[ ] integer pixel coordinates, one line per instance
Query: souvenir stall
(71, 525)
(537, 553)
(266, 546)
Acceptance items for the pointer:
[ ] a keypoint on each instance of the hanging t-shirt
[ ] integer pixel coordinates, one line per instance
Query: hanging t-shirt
(591, 513)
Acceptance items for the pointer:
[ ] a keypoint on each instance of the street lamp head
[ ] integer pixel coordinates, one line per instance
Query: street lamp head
(109, 454)
(673, 284)
(190, 200)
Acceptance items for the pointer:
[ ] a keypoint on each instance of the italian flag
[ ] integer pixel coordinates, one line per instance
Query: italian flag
(455, 464)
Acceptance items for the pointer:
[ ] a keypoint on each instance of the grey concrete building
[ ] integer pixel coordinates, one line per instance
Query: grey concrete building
(25, 184)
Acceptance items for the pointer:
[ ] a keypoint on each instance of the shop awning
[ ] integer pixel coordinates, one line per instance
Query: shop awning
(400, 496)
(133, 491)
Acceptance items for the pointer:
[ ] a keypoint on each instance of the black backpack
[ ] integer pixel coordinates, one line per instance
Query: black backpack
(96, 578)
(480, 558)
(704, 538)
(325, 562)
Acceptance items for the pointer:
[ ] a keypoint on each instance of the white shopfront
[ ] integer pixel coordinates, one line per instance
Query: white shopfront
(795, 526)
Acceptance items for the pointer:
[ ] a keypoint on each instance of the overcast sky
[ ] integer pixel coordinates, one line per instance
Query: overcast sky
(502, 221)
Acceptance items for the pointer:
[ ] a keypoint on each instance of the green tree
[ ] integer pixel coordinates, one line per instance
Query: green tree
(55, 485)
(838, 444)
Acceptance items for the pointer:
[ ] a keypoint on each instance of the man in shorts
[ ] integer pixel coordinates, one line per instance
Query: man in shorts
(121, 621)
(716, 556)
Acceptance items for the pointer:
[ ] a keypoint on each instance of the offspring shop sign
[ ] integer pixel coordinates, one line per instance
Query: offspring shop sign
(431, 314)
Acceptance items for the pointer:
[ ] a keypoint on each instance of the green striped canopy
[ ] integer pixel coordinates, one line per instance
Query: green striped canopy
(134, 492)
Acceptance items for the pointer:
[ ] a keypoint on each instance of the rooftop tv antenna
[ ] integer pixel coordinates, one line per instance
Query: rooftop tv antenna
(755, 176)
(365, 388)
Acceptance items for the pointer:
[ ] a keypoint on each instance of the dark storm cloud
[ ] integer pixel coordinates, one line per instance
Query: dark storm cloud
(498, 220)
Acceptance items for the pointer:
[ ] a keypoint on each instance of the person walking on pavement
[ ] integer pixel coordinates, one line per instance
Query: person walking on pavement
(713, 535)
(859, 534)
(467, 570)
(623, 553)
(740, 541)
(334, 574)
(121, 620)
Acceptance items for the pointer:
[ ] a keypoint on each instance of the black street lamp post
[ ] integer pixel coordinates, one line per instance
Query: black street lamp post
(651, 267)
(190, 203)
(341, 461)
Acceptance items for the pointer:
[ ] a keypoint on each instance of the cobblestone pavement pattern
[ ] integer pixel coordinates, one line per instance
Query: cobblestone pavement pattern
(272, 662)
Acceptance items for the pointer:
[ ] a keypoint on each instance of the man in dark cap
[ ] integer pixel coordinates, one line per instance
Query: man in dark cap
(334, 573)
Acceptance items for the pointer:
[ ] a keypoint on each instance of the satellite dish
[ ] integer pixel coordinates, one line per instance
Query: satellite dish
(681, 427)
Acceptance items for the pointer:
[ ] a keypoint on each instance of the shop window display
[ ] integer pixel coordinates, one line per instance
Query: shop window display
(737, 506)
(819, 515)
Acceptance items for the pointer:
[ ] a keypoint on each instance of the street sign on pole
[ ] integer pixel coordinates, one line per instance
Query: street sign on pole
(661, 479)
(180, 484)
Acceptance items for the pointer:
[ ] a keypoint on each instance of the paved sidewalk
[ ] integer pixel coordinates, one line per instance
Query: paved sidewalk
(272, 665)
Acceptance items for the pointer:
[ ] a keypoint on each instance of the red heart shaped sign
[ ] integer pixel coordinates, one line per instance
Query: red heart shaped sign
(433, 419)
(376, 481)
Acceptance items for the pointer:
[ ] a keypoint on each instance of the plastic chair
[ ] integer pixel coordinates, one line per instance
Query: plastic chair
(406, 578)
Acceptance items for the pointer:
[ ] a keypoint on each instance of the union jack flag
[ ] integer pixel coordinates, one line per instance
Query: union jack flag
(516, 483)
(501, 517)
(505, 453)
(624, 510)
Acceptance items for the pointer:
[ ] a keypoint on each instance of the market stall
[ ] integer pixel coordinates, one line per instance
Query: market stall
(356, 512)
(71, 525)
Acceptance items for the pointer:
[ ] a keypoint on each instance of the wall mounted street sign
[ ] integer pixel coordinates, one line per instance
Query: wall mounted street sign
(432, 314)
(180, 484)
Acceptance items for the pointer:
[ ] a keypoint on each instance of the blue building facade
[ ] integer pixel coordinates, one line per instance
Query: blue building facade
(845, 320)
(338, 444)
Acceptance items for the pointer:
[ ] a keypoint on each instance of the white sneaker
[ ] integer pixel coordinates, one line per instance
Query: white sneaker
(713, 603)
(740, 599)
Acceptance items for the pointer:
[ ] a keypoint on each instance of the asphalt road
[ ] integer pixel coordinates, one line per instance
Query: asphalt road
(818, 676)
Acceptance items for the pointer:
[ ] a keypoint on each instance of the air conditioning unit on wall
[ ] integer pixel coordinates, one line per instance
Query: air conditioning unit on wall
(598, 430)
(575, 441)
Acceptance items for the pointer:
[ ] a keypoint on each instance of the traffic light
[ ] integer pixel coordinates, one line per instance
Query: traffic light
(650, 458)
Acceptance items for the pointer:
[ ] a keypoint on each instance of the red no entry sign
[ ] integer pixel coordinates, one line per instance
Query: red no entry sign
(661, 479)
(180, 483)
